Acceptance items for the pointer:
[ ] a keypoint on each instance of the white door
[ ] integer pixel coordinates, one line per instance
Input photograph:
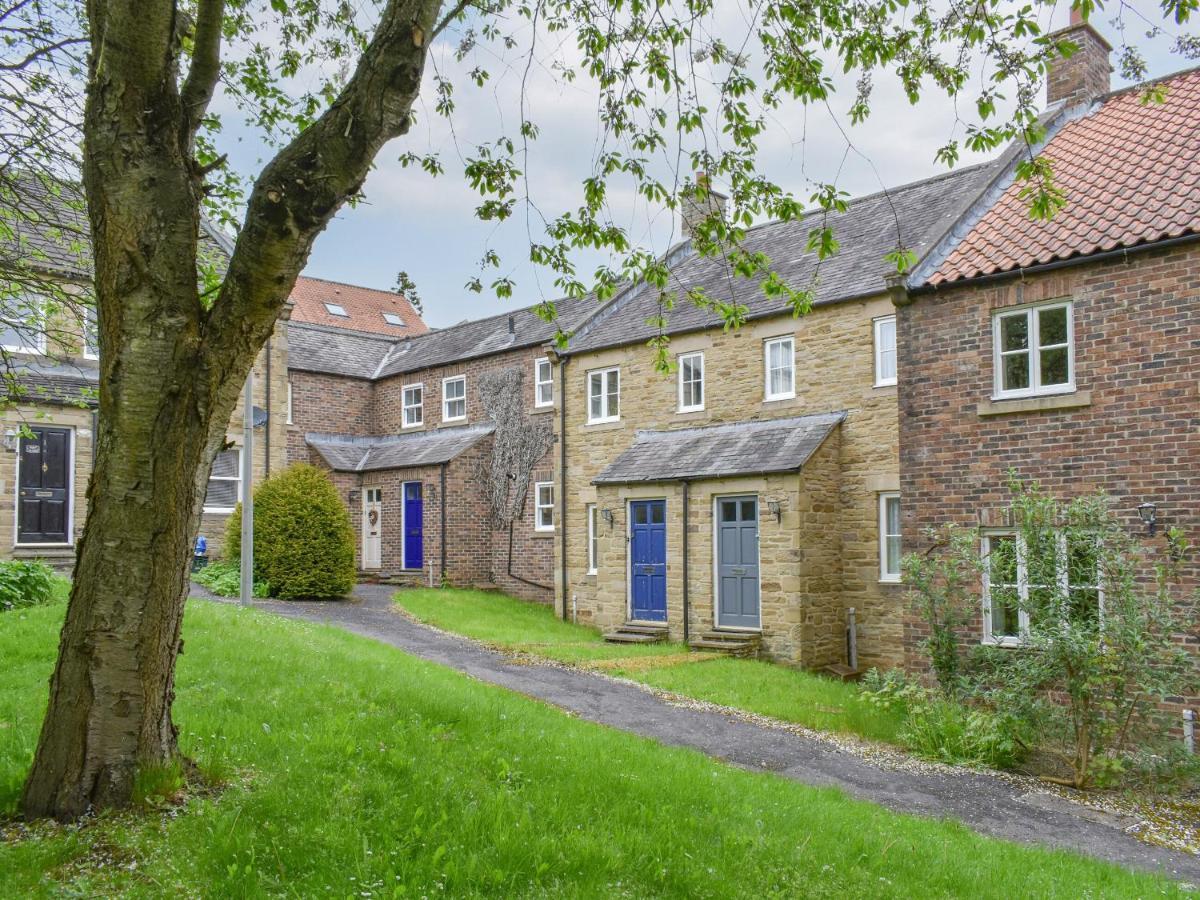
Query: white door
(372, 527)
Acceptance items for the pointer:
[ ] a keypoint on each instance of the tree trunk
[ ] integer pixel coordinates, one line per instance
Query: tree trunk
(170, 369)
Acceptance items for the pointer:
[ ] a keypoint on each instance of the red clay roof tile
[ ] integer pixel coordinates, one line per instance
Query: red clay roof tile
(364, 307)
(1131, 174)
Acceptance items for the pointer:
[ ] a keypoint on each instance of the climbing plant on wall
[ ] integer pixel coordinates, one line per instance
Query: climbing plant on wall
(517, 444)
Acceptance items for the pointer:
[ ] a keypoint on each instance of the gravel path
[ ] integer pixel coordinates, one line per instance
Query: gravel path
(988, 804)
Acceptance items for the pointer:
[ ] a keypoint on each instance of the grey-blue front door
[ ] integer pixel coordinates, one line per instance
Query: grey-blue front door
(737, 562)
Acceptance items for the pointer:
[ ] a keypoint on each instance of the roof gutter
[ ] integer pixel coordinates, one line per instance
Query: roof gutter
(1117, 253)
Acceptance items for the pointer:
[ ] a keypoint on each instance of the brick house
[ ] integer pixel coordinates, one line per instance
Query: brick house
(49, 415)
(402, 429)
(776, 443)
(1068, 350)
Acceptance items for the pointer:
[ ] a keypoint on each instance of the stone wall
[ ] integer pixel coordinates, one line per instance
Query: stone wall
(1131, 428)
(270, 451)
(834, 371)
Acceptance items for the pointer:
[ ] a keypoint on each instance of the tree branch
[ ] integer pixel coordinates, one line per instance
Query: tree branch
(202, 75)
(306, 183)
(451, 16)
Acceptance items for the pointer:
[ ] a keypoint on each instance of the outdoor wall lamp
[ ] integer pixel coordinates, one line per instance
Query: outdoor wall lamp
(775, 507)
(608, 517)
(11, 440)
(1149, 515)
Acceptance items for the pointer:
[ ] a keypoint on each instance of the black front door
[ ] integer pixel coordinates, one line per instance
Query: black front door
(45, 486)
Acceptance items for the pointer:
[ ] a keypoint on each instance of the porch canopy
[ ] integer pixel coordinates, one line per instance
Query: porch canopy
(348, 453)
(721, 451)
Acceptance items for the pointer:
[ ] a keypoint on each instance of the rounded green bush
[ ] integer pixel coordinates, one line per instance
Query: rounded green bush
(303, 542)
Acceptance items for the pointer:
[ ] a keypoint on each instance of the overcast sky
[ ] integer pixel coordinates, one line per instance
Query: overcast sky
(428, 228)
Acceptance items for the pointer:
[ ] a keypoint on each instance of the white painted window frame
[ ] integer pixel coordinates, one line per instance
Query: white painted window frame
(879, 325)
(605, 394)
(225, 510)
(593, 551)
(446, 401)
(289, 405)
(539, 507)
(399, 320)
(1033, 351)
(330, 307)
(886, 577)
(539, 383)
(39, 324)
(790, 340)
(405, 406)
(682, 384)
(1061, 564)
(91, 318)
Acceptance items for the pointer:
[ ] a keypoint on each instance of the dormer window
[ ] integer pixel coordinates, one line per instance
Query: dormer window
(393, 319)
(335, 309)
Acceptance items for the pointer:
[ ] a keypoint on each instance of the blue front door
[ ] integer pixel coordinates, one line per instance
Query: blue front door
(414, 526)
(648, 559)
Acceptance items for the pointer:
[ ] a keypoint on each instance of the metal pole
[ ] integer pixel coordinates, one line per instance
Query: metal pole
(248, 491)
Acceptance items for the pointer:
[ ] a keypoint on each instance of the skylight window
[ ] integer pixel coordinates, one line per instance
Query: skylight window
(335, 310)
(393, 319)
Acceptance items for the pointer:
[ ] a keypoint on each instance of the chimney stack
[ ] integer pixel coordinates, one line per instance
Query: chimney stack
(698, 203)
(1085, 75)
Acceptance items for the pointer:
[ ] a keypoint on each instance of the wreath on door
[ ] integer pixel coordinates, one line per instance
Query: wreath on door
(373, 516)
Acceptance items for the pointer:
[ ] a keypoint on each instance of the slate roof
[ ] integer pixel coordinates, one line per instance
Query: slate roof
(364, 306)
(721, 451)
(1131, 174)
(53, 234)
(62, 384)
(335, 351)
(919, 213)
(482, 337)
(347, 453)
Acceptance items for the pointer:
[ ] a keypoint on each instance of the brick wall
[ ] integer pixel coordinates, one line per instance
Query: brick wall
(476, 552)
(327, 403)
(1133, 429)
(834, 371)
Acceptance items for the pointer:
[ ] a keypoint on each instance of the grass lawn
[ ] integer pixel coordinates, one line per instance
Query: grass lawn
(760, 687)
(354, 770)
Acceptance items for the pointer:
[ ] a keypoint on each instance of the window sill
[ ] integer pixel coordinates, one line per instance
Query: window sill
(1042, 403)
(693, 413)
(1003, 643)
(780, 399)
(543, 533)
(603, 424)
(884, 384)
(896, 580)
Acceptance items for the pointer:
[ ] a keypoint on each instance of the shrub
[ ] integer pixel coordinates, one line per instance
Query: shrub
(942, 582)
(1096, 652)
(303, 542)
(225, 580)
(25, 583)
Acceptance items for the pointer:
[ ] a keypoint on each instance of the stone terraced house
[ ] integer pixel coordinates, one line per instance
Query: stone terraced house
(49, 417)
(753, 495)
(1067, 351)
(757, 498)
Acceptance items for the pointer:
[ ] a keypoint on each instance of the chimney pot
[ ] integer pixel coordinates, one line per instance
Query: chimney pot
(512, 325)
(1086, 74)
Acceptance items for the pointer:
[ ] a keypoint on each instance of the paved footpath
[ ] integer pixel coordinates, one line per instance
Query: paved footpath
(989, 805)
